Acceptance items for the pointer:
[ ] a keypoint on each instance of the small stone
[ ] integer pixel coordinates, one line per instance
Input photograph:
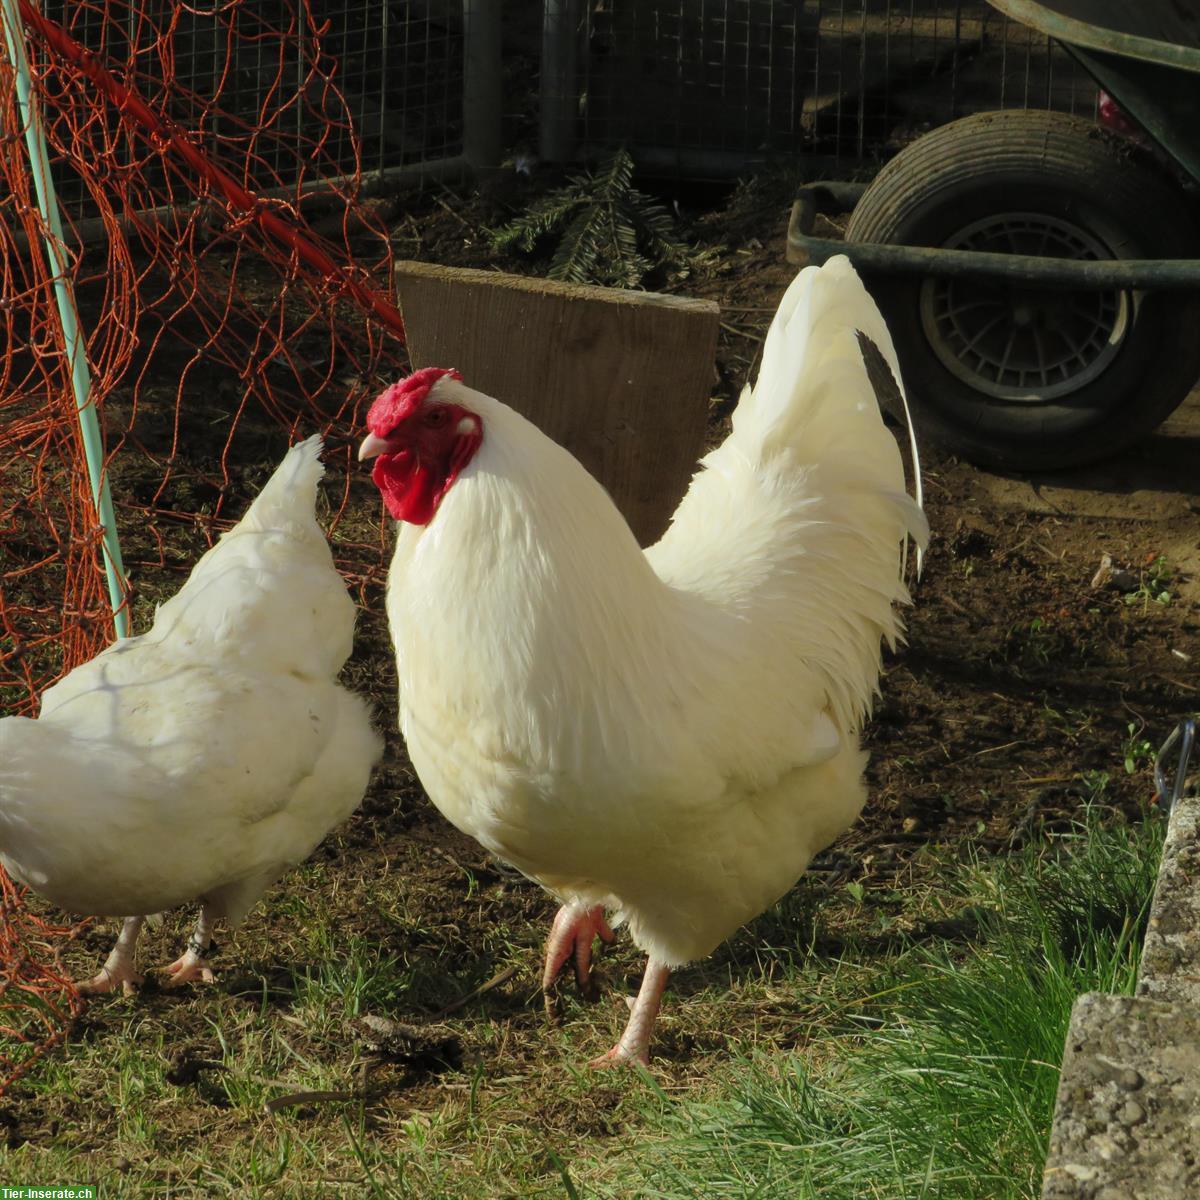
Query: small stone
(1103, 572)
(1131, 1113)
(1106, 1071)
(1114, 578)
(121, 1163)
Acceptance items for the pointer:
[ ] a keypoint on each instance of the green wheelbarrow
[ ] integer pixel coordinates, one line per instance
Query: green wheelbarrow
(1040, 273)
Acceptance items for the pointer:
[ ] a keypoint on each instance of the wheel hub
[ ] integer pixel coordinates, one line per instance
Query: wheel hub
(1015, 342)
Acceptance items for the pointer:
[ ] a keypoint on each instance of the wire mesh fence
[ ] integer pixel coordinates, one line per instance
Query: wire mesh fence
(721, 84)
(236, 73)
(216, 325)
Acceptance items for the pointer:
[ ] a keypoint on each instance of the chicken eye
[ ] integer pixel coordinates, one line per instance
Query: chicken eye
(436, 416)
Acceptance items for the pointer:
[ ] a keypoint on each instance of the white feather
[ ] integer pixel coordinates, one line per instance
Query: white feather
(205, 757)
(673, 733)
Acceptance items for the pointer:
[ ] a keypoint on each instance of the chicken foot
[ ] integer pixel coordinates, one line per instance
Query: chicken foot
(573, 933)
(634, 1043)
(118, 970)
(190, 965)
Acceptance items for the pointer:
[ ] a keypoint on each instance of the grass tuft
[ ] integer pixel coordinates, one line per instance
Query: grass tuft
(941, 1081)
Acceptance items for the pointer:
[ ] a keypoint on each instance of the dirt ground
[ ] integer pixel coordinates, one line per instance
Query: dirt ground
(1021, 684)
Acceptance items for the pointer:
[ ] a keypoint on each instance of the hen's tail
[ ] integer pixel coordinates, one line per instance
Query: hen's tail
(290, 495)
(798, 519)
(268, 590)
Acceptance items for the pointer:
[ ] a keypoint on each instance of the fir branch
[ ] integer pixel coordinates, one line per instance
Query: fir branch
(575, 259)
(608, 231)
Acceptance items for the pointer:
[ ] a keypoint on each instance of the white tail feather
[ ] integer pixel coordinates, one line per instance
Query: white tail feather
(812, 353)
(798, 520)
(292, 488)
(276, 557)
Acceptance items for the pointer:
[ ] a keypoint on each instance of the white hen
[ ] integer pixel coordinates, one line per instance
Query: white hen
(204, 758)
(670, 734)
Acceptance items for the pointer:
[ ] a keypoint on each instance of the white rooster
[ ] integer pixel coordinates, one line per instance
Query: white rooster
(204, 758)
(670, 734)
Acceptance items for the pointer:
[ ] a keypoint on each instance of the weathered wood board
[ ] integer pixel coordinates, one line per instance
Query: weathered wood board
(622, 379)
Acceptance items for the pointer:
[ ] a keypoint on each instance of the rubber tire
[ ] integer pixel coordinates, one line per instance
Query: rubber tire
(1062, 166)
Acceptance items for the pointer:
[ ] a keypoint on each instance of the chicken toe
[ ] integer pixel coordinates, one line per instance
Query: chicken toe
(189, 967)
(573, 935)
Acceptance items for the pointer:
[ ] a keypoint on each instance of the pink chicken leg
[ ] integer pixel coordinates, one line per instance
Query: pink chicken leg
(118, 970)
(190, 964)
(634, 1043)
(574, 932)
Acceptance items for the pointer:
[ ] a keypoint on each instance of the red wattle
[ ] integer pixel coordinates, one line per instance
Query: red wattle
(411, 488)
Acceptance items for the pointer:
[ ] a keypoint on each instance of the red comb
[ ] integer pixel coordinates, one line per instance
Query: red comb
(401, 399)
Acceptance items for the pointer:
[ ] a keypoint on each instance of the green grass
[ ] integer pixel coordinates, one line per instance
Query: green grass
(938, 1079)
(887, 1043)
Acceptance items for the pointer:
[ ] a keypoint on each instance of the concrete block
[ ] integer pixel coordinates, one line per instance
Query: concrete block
(1127, 1118)
(1170, 968)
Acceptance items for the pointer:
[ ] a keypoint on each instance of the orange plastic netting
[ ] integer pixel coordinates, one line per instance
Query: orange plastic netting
(195, 275)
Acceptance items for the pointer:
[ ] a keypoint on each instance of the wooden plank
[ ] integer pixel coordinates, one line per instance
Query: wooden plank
(620, 378)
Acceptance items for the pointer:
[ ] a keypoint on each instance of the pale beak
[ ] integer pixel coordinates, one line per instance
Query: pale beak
(372, 447)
